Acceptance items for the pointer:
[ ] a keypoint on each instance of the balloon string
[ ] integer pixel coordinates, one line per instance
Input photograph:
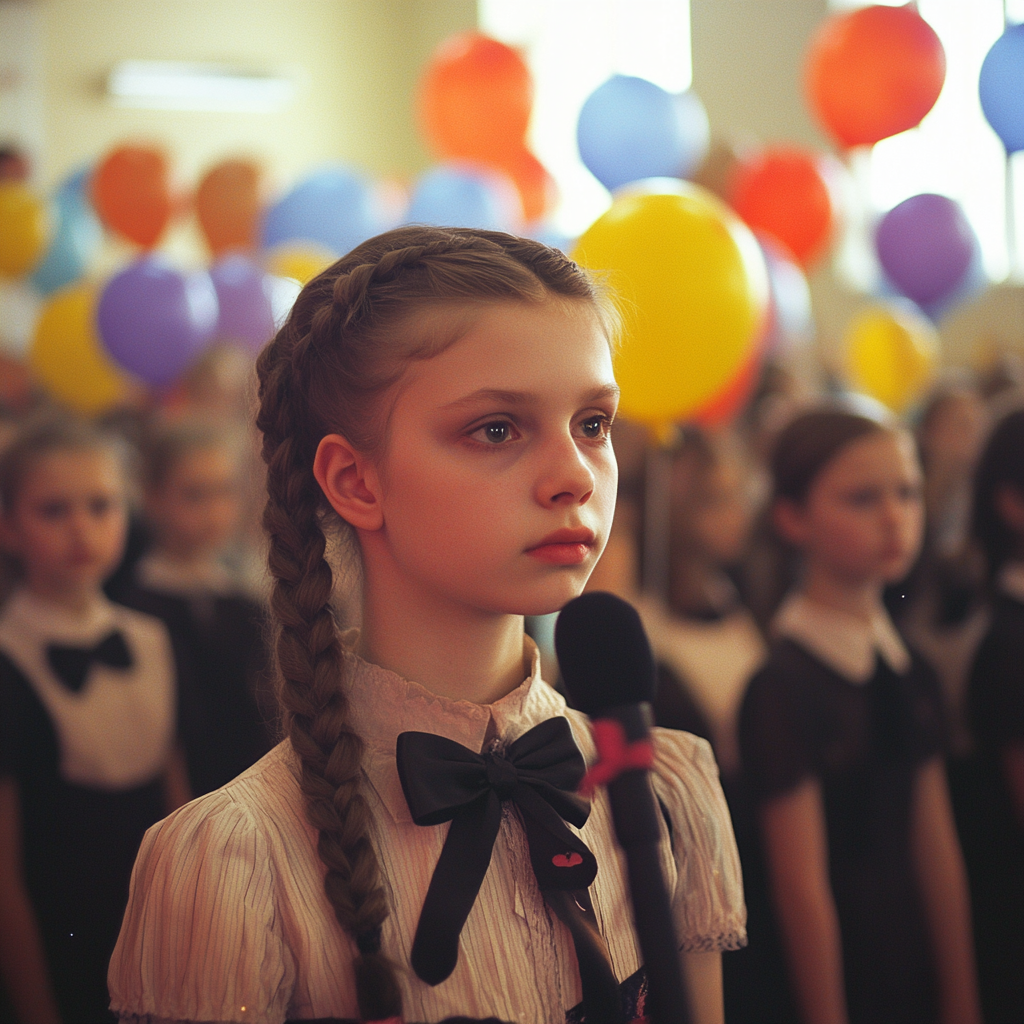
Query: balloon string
(657, 519)
(1011, 218)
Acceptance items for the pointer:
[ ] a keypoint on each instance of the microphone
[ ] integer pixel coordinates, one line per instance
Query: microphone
(608, 668)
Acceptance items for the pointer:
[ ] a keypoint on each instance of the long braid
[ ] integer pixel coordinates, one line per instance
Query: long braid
(341, 348)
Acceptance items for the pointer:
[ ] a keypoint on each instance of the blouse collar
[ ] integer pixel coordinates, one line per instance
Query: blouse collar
(847, 644)
(382, 704)
(32, 616)
(1011, 580)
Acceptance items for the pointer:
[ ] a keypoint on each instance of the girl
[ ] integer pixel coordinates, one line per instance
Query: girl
(192, 505)
(443, 397)
(992, 820)
(86, 725)
(841, 738)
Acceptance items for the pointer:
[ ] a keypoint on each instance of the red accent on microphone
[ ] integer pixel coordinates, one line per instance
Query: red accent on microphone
(614, 755)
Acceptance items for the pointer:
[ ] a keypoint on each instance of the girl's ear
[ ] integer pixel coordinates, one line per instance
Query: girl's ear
(790, 521)
(349, 482)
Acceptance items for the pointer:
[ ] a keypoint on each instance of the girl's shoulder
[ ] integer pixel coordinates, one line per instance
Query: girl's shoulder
(204, 899)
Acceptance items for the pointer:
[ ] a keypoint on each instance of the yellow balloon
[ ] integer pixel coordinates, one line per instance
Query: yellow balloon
(24, 229)
(891, 354)
(300, 262)
(691, 287)
(67, 357)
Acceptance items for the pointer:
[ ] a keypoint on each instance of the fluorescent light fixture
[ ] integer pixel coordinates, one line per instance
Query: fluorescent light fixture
(171, 85)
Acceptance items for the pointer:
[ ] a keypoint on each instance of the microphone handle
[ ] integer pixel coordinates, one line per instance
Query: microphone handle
(635, 816)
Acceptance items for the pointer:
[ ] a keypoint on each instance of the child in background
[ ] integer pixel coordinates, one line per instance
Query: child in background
(86, 725)
(842, 739)
(191, 503)
(992, 819)
(443, 399)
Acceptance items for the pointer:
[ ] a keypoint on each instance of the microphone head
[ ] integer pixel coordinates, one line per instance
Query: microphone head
(603, 653)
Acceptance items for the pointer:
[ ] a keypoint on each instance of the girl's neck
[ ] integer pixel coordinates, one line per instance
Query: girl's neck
(859, 598)
(455, 652)
(74, 599)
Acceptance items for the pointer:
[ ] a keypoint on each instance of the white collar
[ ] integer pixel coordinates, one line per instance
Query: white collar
(844, 642)
(155, 571)
(33, 616)
(1011, 580)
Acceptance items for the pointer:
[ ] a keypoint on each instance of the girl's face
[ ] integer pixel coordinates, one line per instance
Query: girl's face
(863, 516)
(68, 522)
(498, 484)
(196, 508)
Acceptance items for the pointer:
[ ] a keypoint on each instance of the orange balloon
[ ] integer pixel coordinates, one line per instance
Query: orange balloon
(132, 195)
(475, 99)
(536, 187)
(228, 206)
(782, 192)
(873, 72)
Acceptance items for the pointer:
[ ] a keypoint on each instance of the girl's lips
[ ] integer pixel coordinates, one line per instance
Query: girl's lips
(564, 547)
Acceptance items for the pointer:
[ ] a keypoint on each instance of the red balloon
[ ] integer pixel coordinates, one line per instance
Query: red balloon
(132, 194)
(475, 99)
(228, 206)
(536, 187)
(783, 192)
(733, 398)
(873, 72)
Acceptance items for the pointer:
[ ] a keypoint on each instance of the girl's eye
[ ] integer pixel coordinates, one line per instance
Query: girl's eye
(52, 510)
(498, 432)
(100, 506)
(596, 427)
(864, 498)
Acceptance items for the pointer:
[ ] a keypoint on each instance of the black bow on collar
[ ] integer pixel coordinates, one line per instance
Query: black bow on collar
(71, 664)
(445, 781)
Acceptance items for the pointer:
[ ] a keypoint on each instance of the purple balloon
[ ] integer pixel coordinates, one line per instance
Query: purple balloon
(790, 319)
(245, 297)
(154, 320)
(926, 246)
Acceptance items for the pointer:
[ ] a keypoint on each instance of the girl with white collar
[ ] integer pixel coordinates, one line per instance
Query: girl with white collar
(86, 725)
(842, 740)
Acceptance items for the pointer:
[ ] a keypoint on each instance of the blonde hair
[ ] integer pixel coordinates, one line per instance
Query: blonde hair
(349, 337)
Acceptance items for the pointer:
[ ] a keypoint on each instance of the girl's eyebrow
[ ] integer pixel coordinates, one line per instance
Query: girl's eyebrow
(513, 398)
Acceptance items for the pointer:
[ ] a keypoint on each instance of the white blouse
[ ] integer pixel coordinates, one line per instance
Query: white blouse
(228, 920)
(117, 731)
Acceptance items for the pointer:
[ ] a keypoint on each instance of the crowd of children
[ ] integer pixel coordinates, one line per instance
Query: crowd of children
(841, 619)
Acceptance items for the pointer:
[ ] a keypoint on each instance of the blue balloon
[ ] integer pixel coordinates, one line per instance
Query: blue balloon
(334, 208)
(76, 238)
(1001, 87)
(465, 196)
(631, 129)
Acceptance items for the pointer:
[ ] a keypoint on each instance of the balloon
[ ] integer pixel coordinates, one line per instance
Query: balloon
(691, 288)
(155, 320)
(926, 246)
(77, 238)
(228, 206)
(24, 229)
(132, 193)
(252, 303)
(782, 192)
(333, 208)
(1001, 86)
(731, 400)
(790, 320)
(630, 129)
(19, 311)
(462, 195)
(873, 72)
(66, 355)
(298, 262)
(475, 99)
(537, 190)
(891, 354)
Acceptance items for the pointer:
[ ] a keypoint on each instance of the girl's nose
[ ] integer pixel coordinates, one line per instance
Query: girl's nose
(565, 476)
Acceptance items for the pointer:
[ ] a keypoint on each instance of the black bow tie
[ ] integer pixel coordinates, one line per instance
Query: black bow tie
(71, 664)
(539, 772)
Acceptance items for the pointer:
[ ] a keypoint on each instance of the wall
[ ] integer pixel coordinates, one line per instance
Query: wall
(359, 60)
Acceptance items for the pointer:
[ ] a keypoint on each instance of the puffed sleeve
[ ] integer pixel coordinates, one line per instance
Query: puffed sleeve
(708, 897)
(200, 940)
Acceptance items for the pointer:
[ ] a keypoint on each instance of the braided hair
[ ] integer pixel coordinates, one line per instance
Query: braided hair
(352, 332)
